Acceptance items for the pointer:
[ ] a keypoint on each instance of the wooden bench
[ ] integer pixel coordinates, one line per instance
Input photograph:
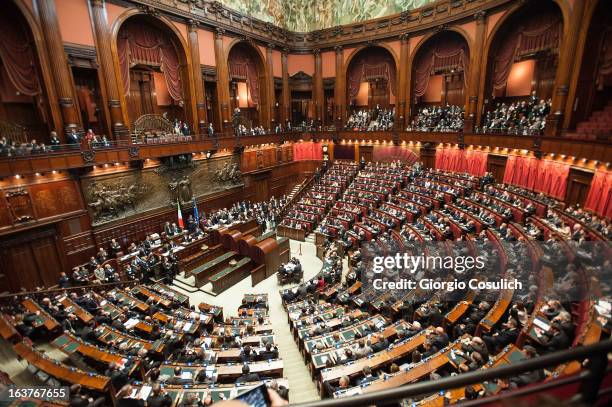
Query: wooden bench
(60, 371)
(203, 273)
(192, 262)
(231, 275)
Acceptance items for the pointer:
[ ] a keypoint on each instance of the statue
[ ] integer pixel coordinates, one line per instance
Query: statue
(109, 201)
(181, 190)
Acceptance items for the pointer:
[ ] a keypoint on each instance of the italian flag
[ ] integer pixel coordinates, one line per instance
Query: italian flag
(180, 216)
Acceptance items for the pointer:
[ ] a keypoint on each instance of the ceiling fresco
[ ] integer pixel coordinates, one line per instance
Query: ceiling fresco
(310, 15)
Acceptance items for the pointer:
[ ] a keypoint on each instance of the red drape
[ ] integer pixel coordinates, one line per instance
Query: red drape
(18, 55)
(241, 65)
(375, 63)
(599, 199)
(140, 43)
(548, 177)
(307, 150)
(392, 153)
(453, 159)
(451, 54)
(538, 33)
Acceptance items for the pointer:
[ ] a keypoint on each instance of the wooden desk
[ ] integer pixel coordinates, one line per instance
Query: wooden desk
(7, 329)
(231, 275)
(106, 334)
(148, 294)
(171, 293)
(318, 359)
(70, 344)
(203, 273)
(374, 361)
(129, 301)
(60, 371)
(226, 373)
(43, 319)
(417, 372)
(217, 392)
(71, 307)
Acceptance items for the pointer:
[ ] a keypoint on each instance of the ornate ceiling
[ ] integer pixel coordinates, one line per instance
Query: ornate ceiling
(311, 15)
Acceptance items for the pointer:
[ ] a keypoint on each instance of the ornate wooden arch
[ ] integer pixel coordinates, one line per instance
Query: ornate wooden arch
(425, 40)
(355, 52)
(565, 10)
(43, 60)
(264, 108)
(182, 50)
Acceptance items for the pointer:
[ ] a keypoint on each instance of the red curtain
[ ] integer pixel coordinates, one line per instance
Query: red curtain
(375, 63)
(451, 54)
(140, 43)
(392, 153)
(539, 32)
(548, 177)
(18, 55)
(241, 65)
(599, 199)
(453, 159)
(307, 150)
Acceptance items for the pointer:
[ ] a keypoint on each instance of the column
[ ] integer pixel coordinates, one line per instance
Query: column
(319, 93)
(107, 67)
(340, 89)
(402, 84)
(473, 85)
(286, 98)
(270, 91)
(59, 66)
(200, 100)
(567, 52)
(222, 80)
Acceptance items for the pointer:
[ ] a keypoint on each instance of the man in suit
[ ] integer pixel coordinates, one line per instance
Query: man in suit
(269, 353)
(177, 378)
(367, 376)
(440, 339)
(158, 397)
(247, 376)
(330, 389)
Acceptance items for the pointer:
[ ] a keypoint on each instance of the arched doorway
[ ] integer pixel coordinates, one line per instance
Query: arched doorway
(371, 79)
(439, 71)
(154, 70)
(523, 54)
(24, 113)
(248, 90)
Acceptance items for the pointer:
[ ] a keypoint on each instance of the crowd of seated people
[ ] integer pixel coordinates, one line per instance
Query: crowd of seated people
(291, 272)
(524, 118)
(345, 355)
(376, 119)
(447, 118)
(266, 214)
(147, 337)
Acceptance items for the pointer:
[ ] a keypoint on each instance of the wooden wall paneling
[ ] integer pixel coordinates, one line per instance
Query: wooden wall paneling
(496, 165)
(366, 152)
(5, 216)
(578, 184)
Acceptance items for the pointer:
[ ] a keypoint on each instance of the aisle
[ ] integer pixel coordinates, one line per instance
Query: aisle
(301, 385)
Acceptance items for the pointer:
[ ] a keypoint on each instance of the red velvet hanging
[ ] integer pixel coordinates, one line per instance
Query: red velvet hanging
(242, 65)
(473, 162)
(599, 199)
(375, 63)
(18, 55)
(548, 177)
(447, 55)
(307, 150)
(538, 32)
(141, 43)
